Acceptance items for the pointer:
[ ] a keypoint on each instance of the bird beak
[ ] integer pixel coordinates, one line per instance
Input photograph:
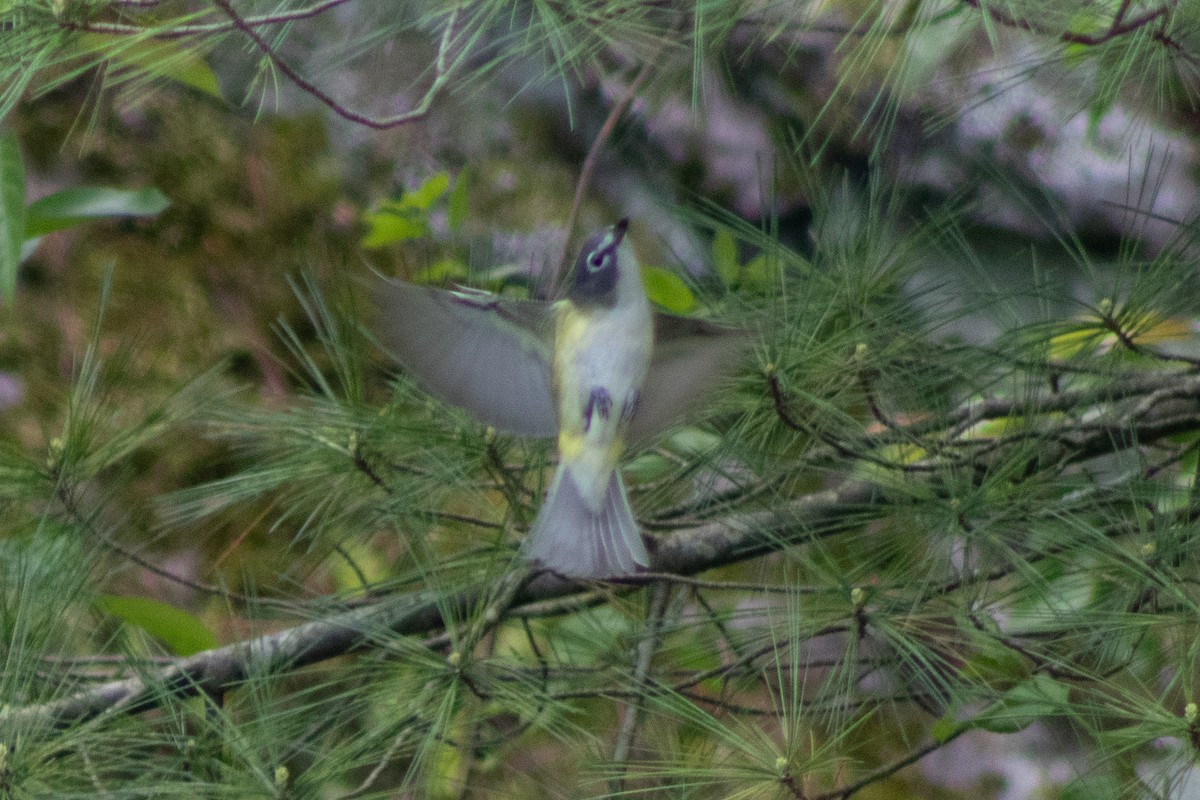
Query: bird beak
(618, 231)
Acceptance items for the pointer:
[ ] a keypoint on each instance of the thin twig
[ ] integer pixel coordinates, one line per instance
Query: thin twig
(1118, 26)
(888, 770)
(66, 498)
(444, 68)
(656, 602)
(204, 29)
(593, 157)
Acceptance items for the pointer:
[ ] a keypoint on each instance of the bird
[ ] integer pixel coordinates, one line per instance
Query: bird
(599, 370)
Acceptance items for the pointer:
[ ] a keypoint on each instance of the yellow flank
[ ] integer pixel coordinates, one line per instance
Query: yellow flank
(570, 445)
(573, 448)
(572, 326)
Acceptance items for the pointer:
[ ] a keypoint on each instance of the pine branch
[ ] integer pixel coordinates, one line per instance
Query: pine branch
(185, 31)
(211, 671)
(444, 67)
(1169, 405)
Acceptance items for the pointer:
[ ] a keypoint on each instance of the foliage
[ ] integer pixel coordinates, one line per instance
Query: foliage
(949, 500)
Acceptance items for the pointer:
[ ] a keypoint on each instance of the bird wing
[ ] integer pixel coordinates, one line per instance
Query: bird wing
(485, 354)
(689, 357)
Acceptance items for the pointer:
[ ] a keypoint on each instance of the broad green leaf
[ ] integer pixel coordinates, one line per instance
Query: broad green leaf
(693, 441)
(648, 466)
(12, 212)
(759, 271)
(668, 290)
(183, 633)
(162, 58)
(423, 197)
(442, 272)
(386, 227)
(72, 206)
(996, 666)
(725, 258)
(459, 197)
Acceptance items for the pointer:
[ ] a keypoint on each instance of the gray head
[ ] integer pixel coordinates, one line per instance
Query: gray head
(594, 277)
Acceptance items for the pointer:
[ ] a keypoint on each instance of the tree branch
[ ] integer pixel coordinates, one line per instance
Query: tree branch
(1118, 26)
(686, 552)
(205, 29)
(1170, 405)
(443, 69)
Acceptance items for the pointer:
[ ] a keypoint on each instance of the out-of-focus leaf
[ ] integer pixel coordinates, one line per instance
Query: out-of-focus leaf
(1093, 334)
(77, 204)
(12, 212)
(183, 633)
(407, 217)
(28, 246)
(1067, 345)
(367, 564)
(1153, 329)
(385, 227)
(444, 271)
(668, 290)
(944, 728)
(759, 271)
(459, 197)
(423, 197)
(724, 250)
(164, 58)
(1026, 703)
(445, 764)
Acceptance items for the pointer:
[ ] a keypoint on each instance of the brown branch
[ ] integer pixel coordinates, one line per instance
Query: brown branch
(1171, 408)
(444, 67)
(593, 157)
(888, 770)
(1118, 26)
(206, 29)
(657, 601)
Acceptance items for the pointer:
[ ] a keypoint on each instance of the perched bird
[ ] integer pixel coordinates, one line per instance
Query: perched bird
(599, 369)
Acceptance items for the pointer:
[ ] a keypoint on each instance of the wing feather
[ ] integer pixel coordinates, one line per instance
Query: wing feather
(485, 354)
(689, 358)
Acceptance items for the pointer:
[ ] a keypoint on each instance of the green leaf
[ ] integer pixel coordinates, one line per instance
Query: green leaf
(386, 227)
(759, 271)
(444, 271)
(423, 198)
(162, 58)
(183, 633)
(725, 257)
(72, 206)
(944, 729)
(12, 212)
(668, 290)
(459, 206)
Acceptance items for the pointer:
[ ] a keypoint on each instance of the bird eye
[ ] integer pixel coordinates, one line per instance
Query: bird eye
(595, 261)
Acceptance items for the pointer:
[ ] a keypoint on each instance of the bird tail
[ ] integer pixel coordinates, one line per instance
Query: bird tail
(572, 540)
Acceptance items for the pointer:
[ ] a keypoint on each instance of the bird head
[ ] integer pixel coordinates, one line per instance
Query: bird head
(597, 272)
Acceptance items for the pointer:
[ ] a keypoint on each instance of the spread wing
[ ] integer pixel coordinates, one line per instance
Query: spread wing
(485, 354)
(689, 358)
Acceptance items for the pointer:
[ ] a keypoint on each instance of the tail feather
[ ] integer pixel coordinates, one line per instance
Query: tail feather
(569, 538)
